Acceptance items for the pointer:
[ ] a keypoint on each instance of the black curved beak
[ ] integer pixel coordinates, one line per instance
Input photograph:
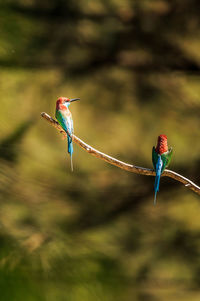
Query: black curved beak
(74, 99)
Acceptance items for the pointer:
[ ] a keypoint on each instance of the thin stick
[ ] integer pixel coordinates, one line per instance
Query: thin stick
(129, 167)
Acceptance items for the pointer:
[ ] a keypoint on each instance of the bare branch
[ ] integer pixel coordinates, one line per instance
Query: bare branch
(129, 167)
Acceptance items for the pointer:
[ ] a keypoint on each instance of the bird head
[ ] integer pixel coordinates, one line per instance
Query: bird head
(162, 146)
(64, 101)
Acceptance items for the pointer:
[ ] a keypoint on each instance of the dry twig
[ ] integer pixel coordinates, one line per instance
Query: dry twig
(129, 167)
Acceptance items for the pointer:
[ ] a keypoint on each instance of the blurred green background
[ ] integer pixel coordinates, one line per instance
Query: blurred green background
(94, 234)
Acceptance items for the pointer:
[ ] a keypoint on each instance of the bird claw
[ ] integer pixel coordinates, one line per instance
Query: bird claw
(64, 135)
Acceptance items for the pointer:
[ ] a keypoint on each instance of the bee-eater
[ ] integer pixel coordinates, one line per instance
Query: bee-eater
(64, 117)
(161, 158)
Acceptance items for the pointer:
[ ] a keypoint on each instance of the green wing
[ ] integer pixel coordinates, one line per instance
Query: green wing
(60, 119)
(166, 158)
(154, 157)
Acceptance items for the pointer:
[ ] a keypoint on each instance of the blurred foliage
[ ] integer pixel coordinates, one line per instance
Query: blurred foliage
(94, 234)
(8, 146)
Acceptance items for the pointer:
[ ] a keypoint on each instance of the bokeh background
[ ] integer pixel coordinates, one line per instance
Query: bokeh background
(94, 234)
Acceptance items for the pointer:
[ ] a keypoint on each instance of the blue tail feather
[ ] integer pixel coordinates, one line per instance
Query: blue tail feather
(70, 149)
(159, 165)
(70, 145)
(156, 186)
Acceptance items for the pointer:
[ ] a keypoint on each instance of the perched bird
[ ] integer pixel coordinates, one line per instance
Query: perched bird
(161, 158)
(64, 117)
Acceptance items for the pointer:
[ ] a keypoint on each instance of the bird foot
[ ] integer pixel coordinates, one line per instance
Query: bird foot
(64, 135)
